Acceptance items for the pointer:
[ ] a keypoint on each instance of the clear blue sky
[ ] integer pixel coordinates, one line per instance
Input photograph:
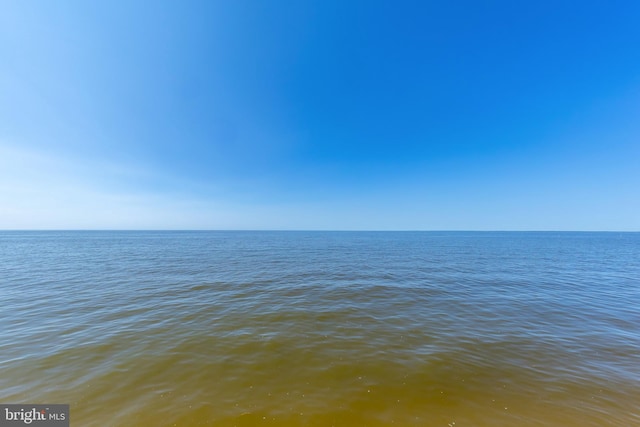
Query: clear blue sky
(432, 115)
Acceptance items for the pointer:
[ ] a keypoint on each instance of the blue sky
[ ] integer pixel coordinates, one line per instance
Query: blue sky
(444, 115)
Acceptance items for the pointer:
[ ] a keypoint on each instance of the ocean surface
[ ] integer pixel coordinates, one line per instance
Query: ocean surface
(448, 329)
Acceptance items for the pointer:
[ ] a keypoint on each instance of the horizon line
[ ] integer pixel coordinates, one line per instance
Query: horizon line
(307, 230)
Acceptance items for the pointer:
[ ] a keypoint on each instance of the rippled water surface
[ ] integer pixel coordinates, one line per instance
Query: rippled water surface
(321, 329)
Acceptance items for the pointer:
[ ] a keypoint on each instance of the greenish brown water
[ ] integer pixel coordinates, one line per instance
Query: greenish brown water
(321, 329)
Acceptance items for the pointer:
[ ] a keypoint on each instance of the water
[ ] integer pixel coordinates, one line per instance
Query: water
(321, 329)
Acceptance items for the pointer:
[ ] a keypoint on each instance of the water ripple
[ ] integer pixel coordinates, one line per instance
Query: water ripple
(295, 328)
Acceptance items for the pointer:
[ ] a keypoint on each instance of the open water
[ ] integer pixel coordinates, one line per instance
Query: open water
(323, 328)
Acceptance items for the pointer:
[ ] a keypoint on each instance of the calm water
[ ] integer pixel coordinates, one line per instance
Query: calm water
(321, 329)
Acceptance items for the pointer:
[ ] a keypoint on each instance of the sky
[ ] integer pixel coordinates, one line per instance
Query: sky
(320, 115)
